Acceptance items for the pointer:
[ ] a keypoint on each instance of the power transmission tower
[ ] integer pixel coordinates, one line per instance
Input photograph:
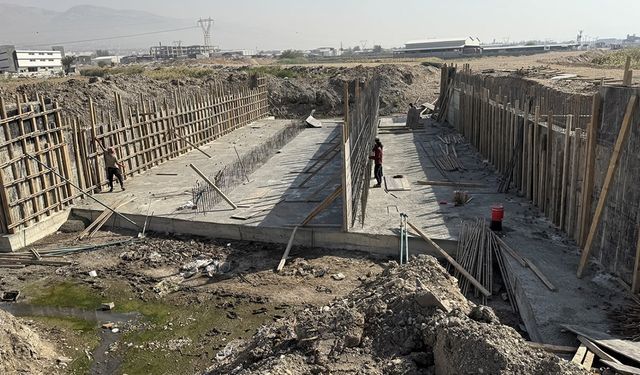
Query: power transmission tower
(206, 24)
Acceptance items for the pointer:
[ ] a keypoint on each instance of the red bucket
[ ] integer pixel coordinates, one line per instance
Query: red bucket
(497, 212)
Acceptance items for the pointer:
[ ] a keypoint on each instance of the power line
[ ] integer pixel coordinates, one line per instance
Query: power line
(113, 37)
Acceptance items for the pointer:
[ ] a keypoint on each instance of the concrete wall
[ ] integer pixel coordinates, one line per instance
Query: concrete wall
(617, 235)
(615, 242)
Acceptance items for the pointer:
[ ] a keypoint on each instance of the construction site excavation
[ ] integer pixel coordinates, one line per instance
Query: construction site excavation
(428, 216)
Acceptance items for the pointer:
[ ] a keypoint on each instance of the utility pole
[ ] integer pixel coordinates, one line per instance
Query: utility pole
(205, 25)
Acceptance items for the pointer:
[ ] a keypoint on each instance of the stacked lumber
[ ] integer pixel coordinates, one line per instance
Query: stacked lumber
(623, 356)
(448, 159)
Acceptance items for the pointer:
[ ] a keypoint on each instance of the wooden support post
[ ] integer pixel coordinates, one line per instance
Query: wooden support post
(283, 260)
(347, 209)
(628, 73)
(573, 184)
(565, 171)
(635, 282)
(208, 181)
(94, 141)
(536, 156)
(324, 204)
(613, 166)
(589, 167)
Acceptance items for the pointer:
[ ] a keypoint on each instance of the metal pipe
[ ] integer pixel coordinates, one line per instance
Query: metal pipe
(81, 191)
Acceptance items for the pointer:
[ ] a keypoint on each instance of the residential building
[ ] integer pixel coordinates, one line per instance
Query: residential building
(14, 60)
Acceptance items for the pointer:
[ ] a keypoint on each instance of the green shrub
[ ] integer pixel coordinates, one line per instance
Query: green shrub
(618, 58)
(171, 73)
(120, 70)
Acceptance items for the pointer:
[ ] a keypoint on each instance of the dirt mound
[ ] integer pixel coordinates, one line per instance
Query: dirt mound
(321, 88)
(293, 91)
(22, 351)
(409, 320)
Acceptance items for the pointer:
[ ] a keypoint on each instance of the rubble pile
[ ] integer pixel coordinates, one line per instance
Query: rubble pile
(21, 349)
(411, 319)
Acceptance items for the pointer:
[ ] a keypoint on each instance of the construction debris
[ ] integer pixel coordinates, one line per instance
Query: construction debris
(626, 321)
(411, 319)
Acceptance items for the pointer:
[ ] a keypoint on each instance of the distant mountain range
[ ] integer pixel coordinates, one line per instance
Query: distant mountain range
(88, 27)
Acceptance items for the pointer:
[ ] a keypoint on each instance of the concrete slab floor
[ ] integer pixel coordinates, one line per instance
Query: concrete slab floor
(583, 301)
(162, 190)
(277, 200)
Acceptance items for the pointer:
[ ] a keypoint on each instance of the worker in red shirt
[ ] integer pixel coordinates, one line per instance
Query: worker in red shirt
(377, 159)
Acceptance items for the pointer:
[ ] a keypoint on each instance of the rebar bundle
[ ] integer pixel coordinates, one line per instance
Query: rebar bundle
(626, 321)
(232, 175)
(478, 248)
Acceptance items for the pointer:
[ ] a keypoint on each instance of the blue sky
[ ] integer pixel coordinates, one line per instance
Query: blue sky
(306, 23)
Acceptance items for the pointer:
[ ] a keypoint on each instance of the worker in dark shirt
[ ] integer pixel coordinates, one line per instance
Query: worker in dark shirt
(377, 160)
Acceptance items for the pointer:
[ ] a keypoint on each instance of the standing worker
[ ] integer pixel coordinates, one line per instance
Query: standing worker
(113, 165)
(377, 159)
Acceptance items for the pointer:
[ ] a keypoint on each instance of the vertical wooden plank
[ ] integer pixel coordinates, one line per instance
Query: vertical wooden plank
(635, 281)
(44, 186)
(524, 171)
(549, 172)
(573, 184)
(589, 166)
(35, 205)
(94, 139)
(536, 156)
(565, 171)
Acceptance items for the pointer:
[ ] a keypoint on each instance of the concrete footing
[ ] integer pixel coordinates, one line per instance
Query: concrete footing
(330, 238)
(38, 231)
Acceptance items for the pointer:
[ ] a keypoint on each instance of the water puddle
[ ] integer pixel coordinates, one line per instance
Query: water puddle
(104, 362)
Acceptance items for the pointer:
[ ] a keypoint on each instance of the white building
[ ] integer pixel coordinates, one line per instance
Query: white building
(14, 60)
(462, 45)
(105, 60)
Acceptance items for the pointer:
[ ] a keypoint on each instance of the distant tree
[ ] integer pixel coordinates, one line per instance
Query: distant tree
(67, 61)
(377, 48)
(102, 53)
(356, 49)
(291, 54)
(103, 64)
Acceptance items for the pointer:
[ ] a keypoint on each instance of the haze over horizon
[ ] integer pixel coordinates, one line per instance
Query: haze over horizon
(303, 24)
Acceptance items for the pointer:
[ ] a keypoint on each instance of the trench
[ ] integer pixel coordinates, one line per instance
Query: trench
(104, 361)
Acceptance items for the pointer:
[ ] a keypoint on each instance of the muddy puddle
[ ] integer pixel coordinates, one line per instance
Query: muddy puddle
(104, 361)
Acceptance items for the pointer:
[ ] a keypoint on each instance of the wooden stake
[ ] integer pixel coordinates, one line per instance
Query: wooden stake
(635, 284)
(565, 171)
(208, 181)
(613, 166)
(283, 260)
(590, 161)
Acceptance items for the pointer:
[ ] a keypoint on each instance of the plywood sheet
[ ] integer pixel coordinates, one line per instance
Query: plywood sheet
(397, 184)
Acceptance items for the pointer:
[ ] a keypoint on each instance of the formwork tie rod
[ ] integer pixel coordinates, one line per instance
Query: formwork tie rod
(81, 191)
